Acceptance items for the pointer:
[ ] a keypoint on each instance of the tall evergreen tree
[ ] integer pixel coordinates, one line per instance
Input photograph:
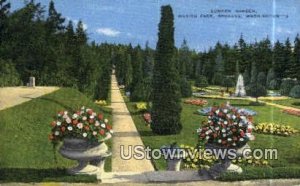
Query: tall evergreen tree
(166, 107)
(55, 21)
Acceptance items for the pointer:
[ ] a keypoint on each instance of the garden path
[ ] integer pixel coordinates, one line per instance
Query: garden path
(11, 96)
(125, 134)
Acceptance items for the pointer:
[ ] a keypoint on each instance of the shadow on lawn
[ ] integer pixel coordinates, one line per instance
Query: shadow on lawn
(41, 175)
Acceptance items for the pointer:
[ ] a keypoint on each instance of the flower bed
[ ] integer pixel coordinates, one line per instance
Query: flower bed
(84, 124)
(205, 161)
(141, 106)
(198, 102)
(275, 129)
(292, 112)
(205, 111)
(101, 102)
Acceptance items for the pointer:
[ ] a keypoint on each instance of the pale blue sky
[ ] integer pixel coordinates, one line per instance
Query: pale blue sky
(135, 21)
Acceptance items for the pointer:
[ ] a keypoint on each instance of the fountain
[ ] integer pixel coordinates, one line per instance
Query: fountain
(240, 88)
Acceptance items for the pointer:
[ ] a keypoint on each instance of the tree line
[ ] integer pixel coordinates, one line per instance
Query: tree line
(40, 43)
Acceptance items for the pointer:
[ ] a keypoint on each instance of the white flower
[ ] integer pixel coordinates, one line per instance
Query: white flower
(80, 125)
(217, 111)
(199, 130)
(233, 116)
(68, 120)
(241, 139)
(223, 130)
(92, 116)
(243, 117)
(224, 135)
(103, 125)
(74, 116)
(111, 131)
(234, 144)
(217, 128)
(94, 133)
(219, 141)
(97, 123)
(225, 111)
(82, 108)
(65, 112)
(56, 133)
(84, 118)
(229, 139)
(70, 128)
(84, 134)
(207, 137)
(58, 123)
(105, 120)
(225, 122)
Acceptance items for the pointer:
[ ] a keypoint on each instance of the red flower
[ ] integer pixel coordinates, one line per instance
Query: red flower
(108, 127)
(63, 129)
(102, 132)
(100, 116)
(242, 133)
(91, 121)
(75, 122)
(87, 128)
(235, 138)
(90, 112)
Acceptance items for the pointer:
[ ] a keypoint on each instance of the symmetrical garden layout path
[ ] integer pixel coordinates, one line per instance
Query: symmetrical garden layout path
(11, 96)
(125, 134)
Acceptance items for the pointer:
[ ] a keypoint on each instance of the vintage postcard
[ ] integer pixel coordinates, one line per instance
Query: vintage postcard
(149, 92)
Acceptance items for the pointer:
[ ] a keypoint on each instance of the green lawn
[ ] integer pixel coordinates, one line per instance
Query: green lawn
(290, 102)
(25, 148)
(288, 147)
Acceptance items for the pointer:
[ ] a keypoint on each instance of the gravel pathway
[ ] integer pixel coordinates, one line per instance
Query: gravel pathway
(11, 96)
(125, 135)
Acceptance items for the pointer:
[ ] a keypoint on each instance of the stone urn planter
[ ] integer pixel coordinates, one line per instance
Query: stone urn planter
(83, 134)
(225, 164)
(90, 155)
(173, 162)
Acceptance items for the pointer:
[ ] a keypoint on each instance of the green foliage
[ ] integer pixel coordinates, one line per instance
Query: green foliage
(270, 76)
(8, 74)
(228, 82)
(295, 92)
(201, 82)
(166, 107)
(274, 84)
(42, 46)
(186, 88)
(256, 90)
(286, 86)
(261, 78)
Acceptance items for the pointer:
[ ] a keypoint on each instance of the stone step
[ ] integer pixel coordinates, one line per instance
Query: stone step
(152, 176)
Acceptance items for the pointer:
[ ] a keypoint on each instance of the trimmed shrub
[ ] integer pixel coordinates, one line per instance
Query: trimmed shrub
(295, 92)
(286, 86)
(256, 90)
(274, 84)
(201, 82)
(186, 89)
